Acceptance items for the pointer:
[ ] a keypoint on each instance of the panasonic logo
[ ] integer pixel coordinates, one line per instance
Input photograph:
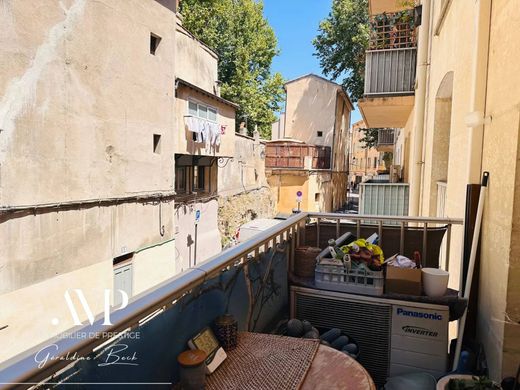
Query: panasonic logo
(419, 314)
(419, 331)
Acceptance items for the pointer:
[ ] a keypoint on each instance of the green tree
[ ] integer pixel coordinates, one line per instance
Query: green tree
(341, 43)
(246, 45)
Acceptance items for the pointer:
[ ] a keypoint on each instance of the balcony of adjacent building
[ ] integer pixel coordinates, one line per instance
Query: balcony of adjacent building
(262, 283)
(390, 66)
(296, 155)
(385, 140)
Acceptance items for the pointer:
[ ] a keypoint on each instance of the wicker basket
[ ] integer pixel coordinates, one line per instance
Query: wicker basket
(305, 261)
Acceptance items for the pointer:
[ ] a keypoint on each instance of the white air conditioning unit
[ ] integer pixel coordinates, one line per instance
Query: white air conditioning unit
(394, 337)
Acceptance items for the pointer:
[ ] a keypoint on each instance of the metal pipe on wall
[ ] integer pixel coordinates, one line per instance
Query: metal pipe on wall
(419, 109)
(478, 90)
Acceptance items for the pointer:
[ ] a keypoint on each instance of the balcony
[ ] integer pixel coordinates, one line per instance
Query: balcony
(390, 69)
(385, 140)
(299, 156)
(254, 282)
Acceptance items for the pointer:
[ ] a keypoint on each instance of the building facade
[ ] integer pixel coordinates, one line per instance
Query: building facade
(458, 108)
(86, 158)
(311, 158)
(365, 163)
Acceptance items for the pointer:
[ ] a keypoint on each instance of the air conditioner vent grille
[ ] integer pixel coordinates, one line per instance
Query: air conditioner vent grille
(369, 324)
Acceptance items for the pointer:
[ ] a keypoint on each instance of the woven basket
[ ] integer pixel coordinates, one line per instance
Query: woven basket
(305, 261)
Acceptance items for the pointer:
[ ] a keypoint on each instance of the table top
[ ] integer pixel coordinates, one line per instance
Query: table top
(331, 370)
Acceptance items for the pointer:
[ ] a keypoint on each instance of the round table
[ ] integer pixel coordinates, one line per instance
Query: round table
(332, 370)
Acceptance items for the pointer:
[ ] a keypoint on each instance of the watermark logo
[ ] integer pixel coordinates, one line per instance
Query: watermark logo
(87, 309)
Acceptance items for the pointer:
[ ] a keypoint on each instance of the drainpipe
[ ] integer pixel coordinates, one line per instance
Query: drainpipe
(475, 120)
(419, 109)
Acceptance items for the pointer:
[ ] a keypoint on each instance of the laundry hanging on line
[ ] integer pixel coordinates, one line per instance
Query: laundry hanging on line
(204, 131)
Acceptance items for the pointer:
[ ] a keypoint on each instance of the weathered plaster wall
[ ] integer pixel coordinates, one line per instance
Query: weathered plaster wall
(195, 62)
(310, 107)
(246, 170)
(71, 114)
(81, 98)
(196, 242)
(244, 193)
(45, 301)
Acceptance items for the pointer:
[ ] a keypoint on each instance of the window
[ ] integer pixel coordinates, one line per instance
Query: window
(199, 178)
(180, 179)
(157, 143)
(317, 197)
(320, 134)
(202, 111)
(375, 162)
(154, 43)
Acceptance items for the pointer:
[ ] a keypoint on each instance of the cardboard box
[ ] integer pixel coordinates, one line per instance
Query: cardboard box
(403, 281)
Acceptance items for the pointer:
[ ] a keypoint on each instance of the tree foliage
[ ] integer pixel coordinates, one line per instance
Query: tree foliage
(246, 45)
(341, 43)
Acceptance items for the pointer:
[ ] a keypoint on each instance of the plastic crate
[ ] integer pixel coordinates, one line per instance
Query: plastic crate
(337, 278)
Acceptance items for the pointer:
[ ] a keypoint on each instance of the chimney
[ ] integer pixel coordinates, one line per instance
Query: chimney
(216, 87)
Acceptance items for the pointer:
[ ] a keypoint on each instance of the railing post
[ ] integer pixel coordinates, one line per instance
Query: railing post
(425, 243)
(448, 242)
(401, 240)
(317, 232)
(293, 243)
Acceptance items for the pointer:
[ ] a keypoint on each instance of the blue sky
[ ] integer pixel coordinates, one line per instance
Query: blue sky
(295, 23)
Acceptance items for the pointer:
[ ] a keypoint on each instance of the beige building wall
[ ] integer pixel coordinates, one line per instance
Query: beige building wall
(195, 62)
(81, 100)
(311, 106)
(446, 156)
(360, 165)
(315, 104)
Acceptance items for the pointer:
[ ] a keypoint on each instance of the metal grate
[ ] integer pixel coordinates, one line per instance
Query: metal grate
(390, 72)
(368, 323)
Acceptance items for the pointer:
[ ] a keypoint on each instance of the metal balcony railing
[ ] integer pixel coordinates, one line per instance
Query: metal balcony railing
(390, 72)
(169, 314)
(392, 55)
(385, 137)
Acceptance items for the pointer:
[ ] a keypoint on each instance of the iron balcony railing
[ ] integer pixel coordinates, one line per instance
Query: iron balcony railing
(392, 54)
(385, 137)
(175, 294)
(390, 72)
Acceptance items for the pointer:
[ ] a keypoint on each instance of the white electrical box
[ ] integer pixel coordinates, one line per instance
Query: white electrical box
(419, 339)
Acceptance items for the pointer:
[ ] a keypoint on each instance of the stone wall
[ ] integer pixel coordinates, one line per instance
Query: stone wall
(235, 210)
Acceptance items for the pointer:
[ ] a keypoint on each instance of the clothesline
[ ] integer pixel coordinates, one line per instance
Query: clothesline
(204, 131)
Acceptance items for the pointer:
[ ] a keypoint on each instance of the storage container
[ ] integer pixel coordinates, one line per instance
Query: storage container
(337, 278)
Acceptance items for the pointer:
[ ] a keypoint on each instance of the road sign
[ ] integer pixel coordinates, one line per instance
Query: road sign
(197, 216)
(299, 196)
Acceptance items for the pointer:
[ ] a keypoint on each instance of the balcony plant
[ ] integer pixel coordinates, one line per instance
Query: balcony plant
(466, 382)
(392, 29)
